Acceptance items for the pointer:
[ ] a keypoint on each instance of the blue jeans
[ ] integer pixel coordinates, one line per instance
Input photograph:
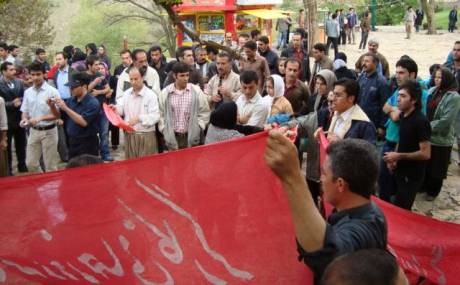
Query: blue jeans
(387, 182)
(282, 36)
(104, 135)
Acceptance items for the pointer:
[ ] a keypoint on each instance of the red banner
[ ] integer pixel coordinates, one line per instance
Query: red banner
(213, 214)
(206, 215)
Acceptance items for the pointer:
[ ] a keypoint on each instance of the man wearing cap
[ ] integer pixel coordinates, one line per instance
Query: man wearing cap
(82, 112)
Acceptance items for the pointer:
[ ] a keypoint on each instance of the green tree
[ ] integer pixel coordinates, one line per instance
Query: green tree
(25, 23)
(92, 26)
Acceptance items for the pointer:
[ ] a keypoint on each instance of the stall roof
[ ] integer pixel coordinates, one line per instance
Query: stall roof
(265, 13)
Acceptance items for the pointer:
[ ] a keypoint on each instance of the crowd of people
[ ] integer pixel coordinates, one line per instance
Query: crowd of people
(56, 112)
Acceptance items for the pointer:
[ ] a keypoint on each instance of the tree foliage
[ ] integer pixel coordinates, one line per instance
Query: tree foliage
(26, 23)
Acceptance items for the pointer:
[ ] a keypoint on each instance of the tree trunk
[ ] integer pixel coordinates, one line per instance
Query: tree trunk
(312, 22)
(428, 7)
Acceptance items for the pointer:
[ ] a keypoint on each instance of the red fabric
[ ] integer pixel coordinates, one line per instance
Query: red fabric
(164, 217)
(149, 214)
(115, 119)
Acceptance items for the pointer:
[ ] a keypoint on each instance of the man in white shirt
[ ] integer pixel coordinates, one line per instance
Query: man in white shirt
(151, 78)
(37, 114)
(225, 85)
(251, 110)
(140, 109)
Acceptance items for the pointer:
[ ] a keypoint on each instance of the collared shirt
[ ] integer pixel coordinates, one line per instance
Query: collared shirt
(348, 231)
(89, 109)
(181, 105)
(341, 119)
(254, 108)
(231, 83)
(144, 105)
(35, 102)
(61, 80)
(260, 66)
(9, 59)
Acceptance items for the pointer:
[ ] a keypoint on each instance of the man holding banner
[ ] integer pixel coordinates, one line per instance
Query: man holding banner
(349, 178)
(82, 113)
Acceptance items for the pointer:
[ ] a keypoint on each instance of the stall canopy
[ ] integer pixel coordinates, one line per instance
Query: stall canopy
(265, 13)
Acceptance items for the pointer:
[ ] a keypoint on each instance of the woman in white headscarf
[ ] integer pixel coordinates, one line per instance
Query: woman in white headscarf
(275, 100)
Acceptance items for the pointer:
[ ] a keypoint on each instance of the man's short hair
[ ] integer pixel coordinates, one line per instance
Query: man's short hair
(4, 66)
(457, 43)
(351, 87)
(91, 59)
(255, 33)
(375, 59)
(181, 51)
(136, 52)
(292, 60)
(37, 66)
(320, 47)
(65, 55)
(355, 161)
(123, 51)
(211, 49)
(415, 92)
(200, 49)
(244, 35)
(3, 46)
(39, 51)
(11, 48)
(155, 48)
(250, 45)
(341, 55)
(226, 55)
(249, 76)
(409, 64)
(367, 266)
(264, 39)
(84, 160)
(373, 42)
(180, 67)
(142, 70)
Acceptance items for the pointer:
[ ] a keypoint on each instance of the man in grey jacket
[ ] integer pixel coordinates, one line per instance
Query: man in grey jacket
(282, 26)
(184, 111)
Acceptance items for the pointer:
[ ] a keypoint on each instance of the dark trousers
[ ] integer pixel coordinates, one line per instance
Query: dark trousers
(114, 135)
(83, 145)
(334, 42)
(387, 184)
(363, 42)
(63, 143)
(436, 169)
(406, 189)
(343, 37)
(182, 140)
(20, 142)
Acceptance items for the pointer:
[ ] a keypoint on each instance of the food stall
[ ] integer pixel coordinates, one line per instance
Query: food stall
(213, 18)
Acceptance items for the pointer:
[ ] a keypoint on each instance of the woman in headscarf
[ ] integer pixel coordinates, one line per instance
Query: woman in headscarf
(442, 109)
(223, 123)
(275, 100)
(324, 83)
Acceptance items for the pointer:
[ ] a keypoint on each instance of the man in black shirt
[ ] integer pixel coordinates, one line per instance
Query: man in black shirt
(158, 61)
(263, 45)
(413, 149)
(348, 180)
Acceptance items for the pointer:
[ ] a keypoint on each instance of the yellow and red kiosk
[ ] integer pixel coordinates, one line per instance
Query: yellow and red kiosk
(213, 18)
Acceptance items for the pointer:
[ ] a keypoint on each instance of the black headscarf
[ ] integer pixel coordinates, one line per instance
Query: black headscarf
(448, 83)
(224, 116)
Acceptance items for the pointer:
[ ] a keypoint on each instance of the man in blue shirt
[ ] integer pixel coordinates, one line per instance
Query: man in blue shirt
(82, 112)
(60, 79)
(374, 92)
(406, 69)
